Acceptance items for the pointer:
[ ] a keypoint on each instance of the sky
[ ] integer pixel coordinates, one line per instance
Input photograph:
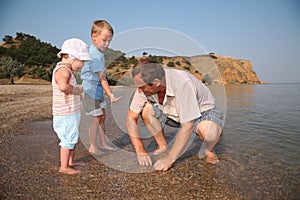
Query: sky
(265, 32)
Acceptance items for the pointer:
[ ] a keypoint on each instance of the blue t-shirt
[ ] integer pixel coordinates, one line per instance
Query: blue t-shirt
(90, 80)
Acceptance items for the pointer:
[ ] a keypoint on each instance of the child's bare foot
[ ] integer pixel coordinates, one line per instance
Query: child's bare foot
(77, 164)
(160, 150)
(68, 170)
(108, 147)
(212, 158)
(97, 151)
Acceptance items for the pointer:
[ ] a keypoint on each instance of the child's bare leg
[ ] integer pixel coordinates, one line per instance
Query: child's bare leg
(101, 131)
(93, 131)
(64, 162)
(71, 159)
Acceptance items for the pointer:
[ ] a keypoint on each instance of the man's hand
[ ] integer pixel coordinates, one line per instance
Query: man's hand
(163, 164)
(181, 140)
(144, 159)
(134, 135)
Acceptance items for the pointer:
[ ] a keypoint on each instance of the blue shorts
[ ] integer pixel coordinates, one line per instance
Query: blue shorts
(93, 107)
(213, 114)
(67, 129)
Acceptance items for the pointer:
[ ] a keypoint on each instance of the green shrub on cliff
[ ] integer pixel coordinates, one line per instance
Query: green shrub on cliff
(29, 52)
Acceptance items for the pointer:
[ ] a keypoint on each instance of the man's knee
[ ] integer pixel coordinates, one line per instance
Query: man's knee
(209, 131)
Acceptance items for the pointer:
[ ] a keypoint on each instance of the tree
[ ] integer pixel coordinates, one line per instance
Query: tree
(31, 51)
(34, 52)
(171, 64)
(158, 59)
(40, 73)
(2, 50)
(132, 61)
(186, 67)
(8, 39)
(11, 68)
(23, 36)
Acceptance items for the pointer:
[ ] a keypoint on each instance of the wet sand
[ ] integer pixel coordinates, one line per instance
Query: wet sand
(30, 171)
(30, 160)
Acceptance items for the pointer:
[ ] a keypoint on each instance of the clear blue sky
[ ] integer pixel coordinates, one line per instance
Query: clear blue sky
(266, 32)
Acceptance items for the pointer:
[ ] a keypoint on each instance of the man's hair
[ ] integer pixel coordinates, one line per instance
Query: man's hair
(99, 26)
(149, 70)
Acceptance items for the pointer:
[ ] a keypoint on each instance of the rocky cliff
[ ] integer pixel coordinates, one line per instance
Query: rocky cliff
(211, 68)
(217, 69)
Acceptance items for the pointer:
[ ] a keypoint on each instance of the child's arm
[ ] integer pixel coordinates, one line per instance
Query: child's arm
(62, 77)
(106, 87)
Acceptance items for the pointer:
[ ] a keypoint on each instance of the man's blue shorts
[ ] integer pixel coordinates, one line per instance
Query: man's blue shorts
(213, 114)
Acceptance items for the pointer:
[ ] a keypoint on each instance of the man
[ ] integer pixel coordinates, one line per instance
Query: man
(172, 97)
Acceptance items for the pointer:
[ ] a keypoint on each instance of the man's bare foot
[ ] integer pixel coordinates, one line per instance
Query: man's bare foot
(212, 158)
(160, 150)
(68, 170)
(108, 147)
(97, 151)
(77, 164)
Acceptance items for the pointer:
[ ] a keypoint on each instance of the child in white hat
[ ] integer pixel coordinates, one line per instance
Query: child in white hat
(66, 101)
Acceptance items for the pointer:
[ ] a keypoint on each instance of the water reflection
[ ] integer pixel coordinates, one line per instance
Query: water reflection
(260, 140)
(241, 96)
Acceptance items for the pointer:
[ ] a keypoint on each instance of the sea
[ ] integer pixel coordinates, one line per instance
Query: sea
(259, 152)
(261, 138)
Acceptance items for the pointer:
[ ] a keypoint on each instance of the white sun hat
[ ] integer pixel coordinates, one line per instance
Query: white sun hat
(75, 48)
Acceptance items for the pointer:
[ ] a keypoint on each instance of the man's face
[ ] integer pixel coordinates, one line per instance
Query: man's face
(148, 89)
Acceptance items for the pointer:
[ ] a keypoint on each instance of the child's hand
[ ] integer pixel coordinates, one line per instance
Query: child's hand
(113, 99)
(77, 90)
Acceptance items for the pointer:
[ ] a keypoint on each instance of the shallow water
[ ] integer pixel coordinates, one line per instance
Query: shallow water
(261, 137)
